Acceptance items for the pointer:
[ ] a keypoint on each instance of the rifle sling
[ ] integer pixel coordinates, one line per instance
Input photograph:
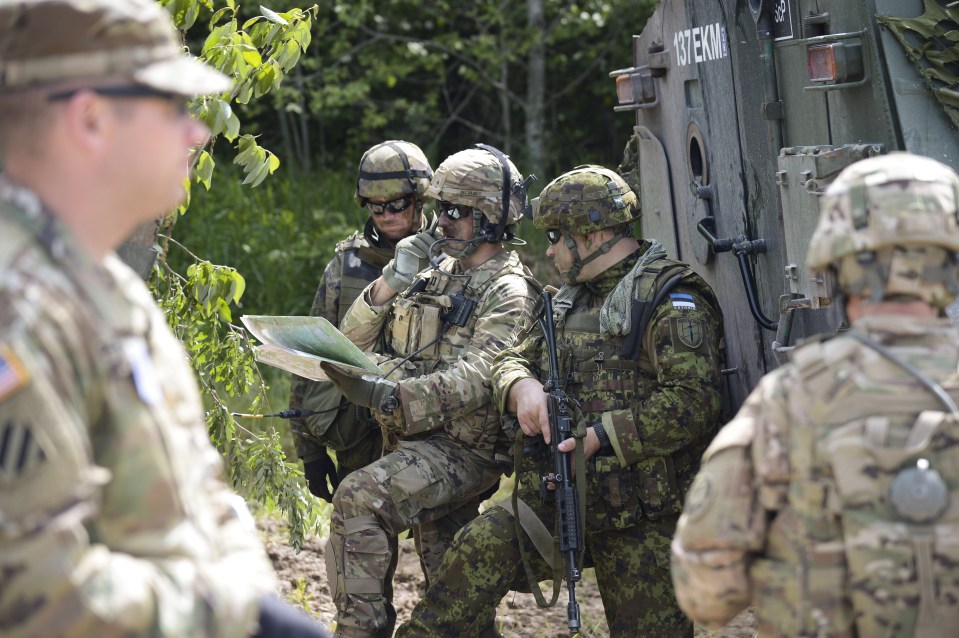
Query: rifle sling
(531, 579)
(533, 526)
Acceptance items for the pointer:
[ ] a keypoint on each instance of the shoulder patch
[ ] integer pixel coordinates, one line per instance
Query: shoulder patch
(13, 375)
(690, 331)
(19, 450)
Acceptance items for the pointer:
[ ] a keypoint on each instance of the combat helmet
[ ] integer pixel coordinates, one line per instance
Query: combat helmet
(586, 199)
(484, 179)
(391, 170)
(888, 227)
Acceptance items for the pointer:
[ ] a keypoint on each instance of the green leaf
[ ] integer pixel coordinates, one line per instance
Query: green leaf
(272, 16)
(252, 56)
(218, 34)
(204, 168)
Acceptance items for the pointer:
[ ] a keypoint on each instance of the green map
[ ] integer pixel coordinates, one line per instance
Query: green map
(300, 344)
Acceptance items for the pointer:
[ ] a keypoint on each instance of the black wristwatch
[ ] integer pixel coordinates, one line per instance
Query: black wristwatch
(604, 443)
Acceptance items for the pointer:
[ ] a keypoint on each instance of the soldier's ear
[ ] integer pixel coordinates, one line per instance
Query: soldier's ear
(88, 122)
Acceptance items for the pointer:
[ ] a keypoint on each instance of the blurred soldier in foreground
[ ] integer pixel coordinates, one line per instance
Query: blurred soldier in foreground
(391, 183)
(444, 325)
(114, 517)
(829, 502)
(639, 339)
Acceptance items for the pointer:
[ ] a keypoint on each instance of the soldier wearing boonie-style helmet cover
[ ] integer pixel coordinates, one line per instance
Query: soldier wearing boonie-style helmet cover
(639, 340)
(443, 324)
(829, 501)
(114, 516)
(391, 184)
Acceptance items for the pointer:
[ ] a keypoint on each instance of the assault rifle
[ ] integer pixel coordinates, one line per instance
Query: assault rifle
(558, 485)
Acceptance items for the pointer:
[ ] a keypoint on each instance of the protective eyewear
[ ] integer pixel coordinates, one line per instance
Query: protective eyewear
(134, 91)
(455, 212)
(553, 235)
(394, 207)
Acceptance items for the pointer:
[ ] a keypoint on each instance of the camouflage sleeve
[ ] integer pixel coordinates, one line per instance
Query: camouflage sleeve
(326, 305)
(116, 519)
(683, 345)
(504, 315)
(514, 364)
(723, 525)
(363, 321)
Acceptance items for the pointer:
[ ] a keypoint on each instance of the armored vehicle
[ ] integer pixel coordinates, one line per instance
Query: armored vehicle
(746, 110)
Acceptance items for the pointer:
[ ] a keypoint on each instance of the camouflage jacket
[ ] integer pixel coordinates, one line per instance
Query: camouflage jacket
(446, 387)
(659, 411)
(114, 516)
(765, 521)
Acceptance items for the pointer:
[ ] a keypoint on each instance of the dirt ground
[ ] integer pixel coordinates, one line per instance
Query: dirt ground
(303, 583)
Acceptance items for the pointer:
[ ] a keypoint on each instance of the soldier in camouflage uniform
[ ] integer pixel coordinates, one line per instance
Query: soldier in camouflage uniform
(829, 502)
(390, 183)
(443, 324)
(639, 339)
(114, 516)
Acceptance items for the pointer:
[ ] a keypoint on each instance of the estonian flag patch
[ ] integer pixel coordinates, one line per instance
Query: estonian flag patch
(682, 300)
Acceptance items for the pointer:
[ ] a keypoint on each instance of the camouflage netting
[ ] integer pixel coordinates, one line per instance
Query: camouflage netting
(932, 42)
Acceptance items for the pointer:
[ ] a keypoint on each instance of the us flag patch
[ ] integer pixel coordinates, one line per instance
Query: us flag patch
(13, 375)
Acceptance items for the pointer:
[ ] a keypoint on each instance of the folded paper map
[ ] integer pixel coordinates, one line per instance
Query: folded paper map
(300, 344)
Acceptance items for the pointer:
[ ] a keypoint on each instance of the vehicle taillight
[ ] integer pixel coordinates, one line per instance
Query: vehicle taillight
(821, 63)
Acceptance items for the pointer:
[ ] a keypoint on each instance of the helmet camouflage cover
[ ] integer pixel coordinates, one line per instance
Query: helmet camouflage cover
(899, 207)
(474, 178)
(586, 199)
(391, 170)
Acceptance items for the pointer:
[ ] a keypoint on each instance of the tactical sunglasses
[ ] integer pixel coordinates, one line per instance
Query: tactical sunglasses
(395, 207)
(123, 92)
(455, 212)
(553, 235)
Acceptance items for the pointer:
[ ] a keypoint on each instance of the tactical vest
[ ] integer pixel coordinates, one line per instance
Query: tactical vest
(603, 376)
(435, 324)
(868, 541)
(362, 264)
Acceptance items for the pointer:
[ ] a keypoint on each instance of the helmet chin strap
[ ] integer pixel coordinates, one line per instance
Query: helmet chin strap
(578, 264)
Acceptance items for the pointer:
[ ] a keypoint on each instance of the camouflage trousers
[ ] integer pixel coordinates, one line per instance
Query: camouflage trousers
(435, 484)
(484, 563)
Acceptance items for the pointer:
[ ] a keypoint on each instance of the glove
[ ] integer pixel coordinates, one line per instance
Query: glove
(280, 619)
(361, 388)
(317, 472)
(412, 255)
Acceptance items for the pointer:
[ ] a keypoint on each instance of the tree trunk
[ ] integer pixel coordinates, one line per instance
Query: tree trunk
(536, 86)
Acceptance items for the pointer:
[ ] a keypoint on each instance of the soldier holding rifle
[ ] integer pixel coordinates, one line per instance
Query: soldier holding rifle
(638, 341)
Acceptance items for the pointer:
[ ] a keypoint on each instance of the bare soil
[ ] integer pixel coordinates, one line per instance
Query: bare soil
(303, 583)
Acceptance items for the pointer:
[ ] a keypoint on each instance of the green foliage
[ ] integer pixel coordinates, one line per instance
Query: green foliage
(456, 72)
(299, 595)
(199, 304)
(279, 236)
(197, 308)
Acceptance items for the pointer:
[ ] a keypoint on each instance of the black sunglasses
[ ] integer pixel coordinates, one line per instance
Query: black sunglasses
(395, 207)
(553, 235)
(455, 211)
(123, 92)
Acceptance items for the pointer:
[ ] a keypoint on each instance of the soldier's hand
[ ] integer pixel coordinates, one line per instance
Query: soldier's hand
(591, 445)
(528, 401)
(412, 255)
(361, 388)
(317, 473)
